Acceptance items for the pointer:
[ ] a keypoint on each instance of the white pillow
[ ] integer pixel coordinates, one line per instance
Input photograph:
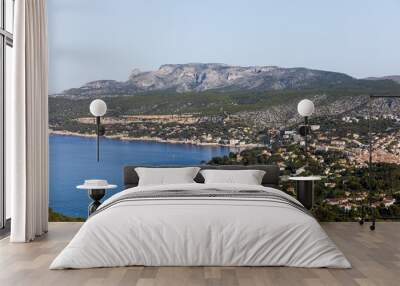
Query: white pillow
(166, 176)
(248, 177)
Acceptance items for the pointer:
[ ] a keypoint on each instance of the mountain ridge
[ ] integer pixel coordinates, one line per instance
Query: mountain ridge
(395, 78)
(199, 77)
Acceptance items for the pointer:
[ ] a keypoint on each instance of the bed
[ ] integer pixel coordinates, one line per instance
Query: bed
(198, 224)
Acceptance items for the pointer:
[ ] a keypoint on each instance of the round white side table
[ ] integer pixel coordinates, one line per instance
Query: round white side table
(96, 190)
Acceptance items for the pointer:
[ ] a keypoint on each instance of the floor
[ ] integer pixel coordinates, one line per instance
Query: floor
(375, 257)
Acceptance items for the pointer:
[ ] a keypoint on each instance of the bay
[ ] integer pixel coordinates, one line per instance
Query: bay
(73, 160)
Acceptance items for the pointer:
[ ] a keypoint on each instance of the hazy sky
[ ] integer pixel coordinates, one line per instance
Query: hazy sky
(106, 39)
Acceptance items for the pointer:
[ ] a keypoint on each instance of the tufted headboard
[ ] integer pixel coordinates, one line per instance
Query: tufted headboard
(271, 178)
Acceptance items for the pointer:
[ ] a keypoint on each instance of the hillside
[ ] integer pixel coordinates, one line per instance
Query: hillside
(256, 95)
(260, 107)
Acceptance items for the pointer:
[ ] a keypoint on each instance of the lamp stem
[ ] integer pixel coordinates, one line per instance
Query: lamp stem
(98, 137)
(305, 138)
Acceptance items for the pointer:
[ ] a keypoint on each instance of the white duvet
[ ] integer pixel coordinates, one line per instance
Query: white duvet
(200, 231)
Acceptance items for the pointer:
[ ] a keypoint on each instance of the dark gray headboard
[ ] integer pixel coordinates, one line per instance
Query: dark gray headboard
(271, 178)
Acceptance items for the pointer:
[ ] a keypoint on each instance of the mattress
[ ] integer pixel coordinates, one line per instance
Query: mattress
(201, 225)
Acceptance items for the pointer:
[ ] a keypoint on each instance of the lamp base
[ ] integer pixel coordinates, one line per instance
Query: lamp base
(96, 195)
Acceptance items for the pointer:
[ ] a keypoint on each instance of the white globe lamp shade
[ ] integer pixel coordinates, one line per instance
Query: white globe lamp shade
(98, 107)
(305, 107)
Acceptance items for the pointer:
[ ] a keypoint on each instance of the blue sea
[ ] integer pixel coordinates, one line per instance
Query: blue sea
(73, 159)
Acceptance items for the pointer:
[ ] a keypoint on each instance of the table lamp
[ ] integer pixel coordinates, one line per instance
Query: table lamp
(98, 108)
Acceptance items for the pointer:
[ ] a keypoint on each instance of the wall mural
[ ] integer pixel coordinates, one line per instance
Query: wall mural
(192, 86)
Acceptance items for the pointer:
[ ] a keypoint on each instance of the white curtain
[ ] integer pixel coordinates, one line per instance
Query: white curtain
(27, 124)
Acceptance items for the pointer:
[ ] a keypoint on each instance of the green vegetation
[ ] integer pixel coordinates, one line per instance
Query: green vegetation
(212, 101)
(54, 216)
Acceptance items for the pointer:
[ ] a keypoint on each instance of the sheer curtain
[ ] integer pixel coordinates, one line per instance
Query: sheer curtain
(27, 124)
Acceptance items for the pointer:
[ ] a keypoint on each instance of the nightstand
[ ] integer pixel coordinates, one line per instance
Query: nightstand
(96, 190)
(305, 189)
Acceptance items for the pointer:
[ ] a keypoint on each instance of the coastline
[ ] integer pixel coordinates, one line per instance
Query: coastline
(151, 139)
